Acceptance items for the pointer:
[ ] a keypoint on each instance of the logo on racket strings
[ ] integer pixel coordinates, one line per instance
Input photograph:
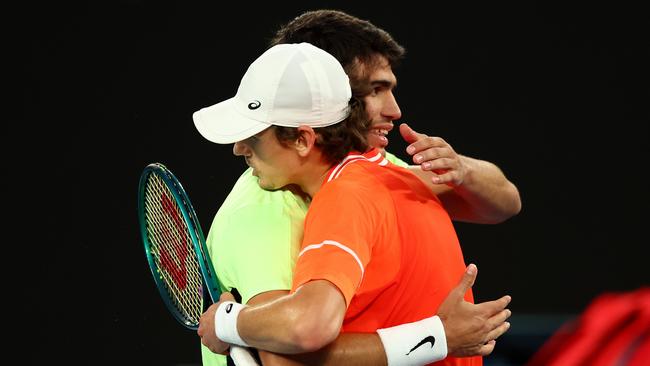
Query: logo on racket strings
(174, 261)
(254, 104)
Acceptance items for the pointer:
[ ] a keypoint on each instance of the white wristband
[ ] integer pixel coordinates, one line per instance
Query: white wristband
(225, 323)
(417, 343)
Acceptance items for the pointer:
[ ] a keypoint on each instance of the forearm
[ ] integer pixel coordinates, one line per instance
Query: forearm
(393, 345)
(348, 349)
(490, 196)
(485, 195)
(302, 322)
(464, 329)
(271, 326)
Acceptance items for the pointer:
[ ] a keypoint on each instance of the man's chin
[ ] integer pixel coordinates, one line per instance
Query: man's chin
(267, 187)
(377, 142)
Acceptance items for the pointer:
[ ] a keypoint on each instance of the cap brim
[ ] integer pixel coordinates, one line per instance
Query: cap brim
(222, 124)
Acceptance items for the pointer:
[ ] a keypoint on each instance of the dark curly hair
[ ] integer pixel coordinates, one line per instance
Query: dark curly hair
(352, 41)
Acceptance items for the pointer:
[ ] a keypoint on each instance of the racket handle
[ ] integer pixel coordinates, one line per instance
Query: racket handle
(242, 356)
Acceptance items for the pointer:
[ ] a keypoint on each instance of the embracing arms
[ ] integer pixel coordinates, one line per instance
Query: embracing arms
(309, 319)
(470, 189)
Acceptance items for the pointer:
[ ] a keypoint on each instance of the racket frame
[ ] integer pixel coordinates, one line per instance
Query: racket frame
(209, 279)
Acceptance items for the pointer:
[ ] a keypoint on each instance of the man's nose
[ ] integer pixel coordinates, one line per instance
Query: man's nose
(391, 108)
(240, 149)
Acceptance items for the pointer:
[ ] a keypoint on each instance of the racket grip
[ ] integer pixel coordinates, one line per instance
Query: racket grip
(241, 356)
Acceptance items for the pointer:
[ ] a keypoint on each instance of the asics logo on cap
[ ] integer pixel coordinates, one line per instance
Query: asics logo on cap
(254, 105)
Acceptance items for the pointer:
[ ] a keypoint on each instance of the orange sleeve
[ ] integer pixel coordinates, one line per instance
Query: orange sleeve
(331, 262)
(338, 237)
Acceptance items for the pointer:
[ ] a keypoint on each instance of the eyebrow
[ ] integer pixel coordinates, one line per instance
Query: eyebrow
(383, 83)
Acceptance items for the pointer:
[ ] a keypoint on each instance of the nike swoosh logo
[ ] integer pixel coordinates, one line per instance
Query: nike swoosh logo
(229, 308)
(429, 339)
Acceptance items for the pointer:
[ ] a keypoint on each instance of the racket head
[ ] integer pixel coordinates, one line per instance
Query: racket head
(174, 245)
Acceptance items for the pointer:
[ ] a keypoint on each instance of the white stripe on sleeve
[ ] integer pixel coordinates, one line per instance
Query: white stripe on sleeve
(336, 244)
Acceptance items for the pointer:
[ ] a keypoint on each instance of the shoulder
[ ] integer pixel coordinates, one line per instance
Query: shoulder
(356, 186)
(270, 211)
(395, 160)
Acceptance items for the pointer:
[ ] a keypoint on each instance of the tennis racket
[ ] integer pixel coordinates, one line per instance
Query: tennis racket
(176, 251)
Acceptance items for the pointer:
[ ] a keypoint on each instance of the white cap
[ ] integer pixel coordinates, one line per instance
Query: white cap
(288, 85)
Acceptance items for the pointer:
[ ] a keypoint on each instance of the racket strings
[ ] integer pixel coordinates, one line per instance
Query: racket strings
(171, 246)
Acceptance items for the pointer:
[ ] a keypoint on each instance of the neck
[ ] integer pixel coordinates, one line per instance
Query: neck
(318, 174)
(312, 184)
(311, 174)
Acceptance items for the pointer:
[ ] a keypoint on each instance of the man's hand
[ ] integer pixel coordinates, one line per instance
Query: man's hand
(435, 155)
(206, 327)
(471, 329)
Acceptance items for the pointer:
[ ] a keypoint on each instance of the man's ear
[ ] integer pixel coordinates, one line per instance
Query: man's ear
(306, 140)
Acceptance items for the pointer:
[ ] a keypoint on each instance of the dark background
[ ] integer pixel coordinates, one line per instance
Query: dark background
(555, 94)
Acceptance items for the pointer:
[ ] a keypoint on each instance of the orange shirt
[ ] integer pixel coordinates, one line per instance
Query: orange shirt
(377, 232)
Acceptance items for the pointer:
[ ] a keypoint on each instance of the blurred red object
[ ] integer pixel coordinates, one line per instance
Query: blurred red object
(614, 330)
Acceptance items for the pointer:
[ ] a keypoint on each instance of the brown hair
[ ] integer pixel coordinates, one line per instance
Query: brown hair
(337, 140)
(352, 41)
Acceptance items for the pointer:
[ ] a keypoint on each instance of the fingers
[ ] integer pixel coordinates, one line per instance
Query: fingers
(498, 331)
(226, 296)
(497, 321)
(435, 146)
(214, 349)
(476, 350)
(419, 141)
(433, 159)
(487, 348)
(499, 325)
(466, 281)
(437, 159)
(407, 133)
(501, 317)
(490, 308)
(435, 155)
(446, 177)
